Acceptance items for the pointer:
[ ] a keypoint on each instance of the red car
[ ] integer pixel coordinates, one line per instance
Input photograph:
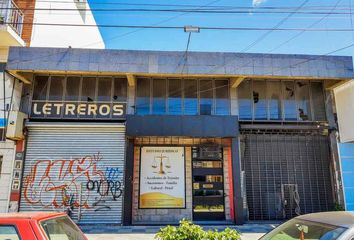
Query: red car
(39, 226)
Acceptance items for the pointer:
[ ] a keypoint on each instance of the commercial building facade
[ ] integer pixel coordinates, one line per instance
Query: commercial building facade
(146, 137)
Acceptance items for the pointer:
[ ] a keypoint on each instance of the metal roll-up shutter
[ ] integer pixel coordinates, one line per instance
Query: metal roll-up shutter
(75, 167)
(287, 174)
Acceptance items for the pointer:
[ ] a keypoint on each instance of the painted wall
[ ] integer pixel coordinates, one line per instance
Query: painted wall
(347, 164)
(11, 97)
(344, 98)
(60, 36)
(7, 152)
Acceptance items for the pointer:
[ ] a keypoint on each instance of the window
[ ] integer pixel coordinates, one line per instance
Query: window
(318, 101)
(159, 96)
(120, 90)
(40, 88)
(281, 100)
(303, 100)
(57, 85)
(175, 96)
(72, 88)
(274, 96)
(289, 100)
(222, 102)
(8, 232)
(76, 88)
(143, 96)
(190, 102)
(104, 93)
(182, 96)
(88, 89)
(61, 228)
(260, 100)
(206, 97)
(244, 100)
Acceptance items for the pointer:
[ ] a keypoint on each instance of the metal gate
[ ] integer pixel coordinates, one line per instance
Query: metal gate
(76, 168)
(286, 174)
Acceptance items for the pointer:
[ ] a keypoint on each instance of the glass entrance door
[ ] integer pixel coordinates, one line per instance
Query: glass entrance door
(208, 184)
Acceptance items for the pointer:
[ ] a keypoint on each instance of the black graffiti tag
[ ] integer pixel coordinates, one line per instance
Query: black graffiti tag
(106, 187)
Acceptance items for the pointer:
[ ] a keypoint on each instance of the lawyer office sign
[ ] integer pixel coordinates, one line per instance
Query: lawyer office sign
(77, 110)
(162, 177)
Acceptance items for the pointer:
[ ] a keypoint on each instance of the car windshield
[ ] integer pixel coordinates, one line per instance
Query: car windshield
(61, 228)
(297, 229)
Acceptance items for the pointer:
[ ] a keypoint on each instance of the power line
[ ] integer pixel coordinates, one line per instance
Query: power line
(204, 11)
(300, 33)
(263, 36)
(190, 5)
(182, 27)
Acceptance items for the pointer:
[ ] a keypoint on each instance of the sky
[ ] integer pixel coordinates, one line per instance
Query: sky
(289, 42)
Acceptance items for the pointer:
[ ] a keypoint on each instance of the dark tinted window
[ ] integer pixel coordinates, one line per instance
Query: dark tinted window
(57, 84)
(274, 96)
(206, 97)
(120, 90)
(72, 88)
(159, 96)
(190, 104)
(222, 101)
(88, 89)
(290, 112)
(175, 96)
(281, 100)
(318, 101)
(104, 92)
(40, 87)
(143, 96)
(244, 100)
(303, 100)
(260, 100)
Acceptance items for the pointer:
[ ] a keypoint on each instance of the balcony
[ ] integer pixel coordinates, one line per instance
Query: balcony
(11, 24)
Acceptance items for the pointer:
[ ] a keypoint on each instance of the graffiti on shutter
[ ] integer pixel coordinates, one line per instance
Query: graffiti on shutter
(58, 183)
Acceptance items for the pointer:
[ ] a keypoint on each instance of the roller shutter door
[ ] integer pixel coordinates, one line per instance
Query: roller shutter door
(76, 167)
(286, 175)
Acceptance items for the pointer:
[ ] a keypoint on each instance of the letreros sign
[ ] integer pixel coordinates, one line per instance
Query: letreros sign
(79, 110)
(162, 177)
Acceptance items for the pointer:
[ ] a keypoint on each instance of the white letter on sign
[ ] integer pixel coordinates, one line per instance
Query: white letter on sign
(108, 109)
(47, 108)
(118, 110)
(35, 110)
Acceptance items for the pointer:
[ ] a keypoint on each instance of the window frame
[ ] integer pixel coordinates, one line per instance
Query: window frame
(297, 119)
(183, 95)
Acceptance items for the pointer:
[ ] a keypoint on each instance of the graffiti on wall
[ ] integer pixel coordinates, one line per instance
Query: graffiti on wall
(72, 183)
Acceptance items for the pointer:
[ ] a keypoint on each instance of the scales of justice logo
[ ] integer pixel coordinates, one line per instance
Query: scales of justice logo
(161, 164)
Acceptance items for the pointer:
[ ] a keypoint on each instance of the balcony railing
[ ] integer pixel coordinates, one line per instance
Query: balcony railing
(10, 14)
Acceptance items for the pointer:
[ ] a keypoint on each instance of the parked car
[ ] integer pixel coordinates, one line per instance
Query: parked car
(38, 226)
(315, 226)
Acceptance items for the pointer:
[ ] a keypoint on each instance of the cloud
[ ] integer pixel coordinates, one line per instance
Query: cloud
(256, 3)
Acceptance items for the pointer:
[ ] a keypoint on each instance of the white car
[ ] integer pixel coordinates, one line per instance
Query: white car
(315, 226)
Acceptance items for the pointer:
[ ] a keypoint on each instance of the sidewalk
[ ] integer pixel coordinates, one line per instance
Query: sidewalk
(249, 231)
(146, 236)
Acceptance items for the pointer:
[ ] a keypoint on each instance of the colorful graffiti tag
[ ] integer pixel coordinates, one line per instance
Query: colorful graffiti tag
(59, 183)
